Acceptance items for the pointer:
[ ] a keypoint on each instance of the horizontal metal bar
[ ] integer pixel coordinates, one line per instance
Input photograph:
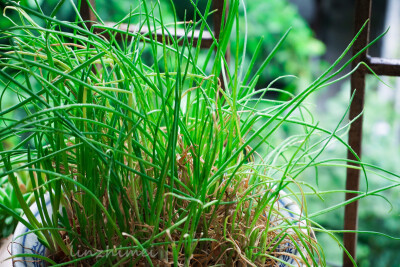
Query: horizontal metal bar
(384, 66)
(206, 39)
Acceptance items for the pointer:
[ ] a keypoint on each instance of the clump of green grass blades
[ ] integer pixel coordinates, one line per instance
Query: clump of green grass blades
(144, 151)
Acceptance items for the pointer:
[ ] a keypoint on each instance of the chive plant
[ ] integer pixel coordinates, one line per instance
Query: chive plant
(140, 149)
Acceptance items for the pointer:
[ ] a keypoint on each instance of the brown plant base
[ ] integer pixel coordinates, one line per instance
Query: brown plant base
(229, 241)
(226, 250)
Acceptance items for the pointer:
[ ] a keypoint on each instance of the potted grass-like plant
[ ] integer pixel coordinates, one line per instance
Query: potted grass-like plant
(138, 157)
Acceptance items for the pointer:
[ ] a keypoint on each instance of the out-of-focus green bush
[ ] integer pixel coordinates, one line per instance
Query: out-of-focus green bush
(380, 148)
(300, 52)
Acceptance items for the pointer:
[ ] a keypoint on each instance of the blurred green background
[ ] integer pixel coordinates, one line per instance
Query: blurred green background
(306, 52)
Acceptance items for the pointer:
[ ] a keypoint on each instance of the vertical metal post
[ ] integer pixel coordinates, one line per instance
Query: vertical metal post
(86, 13)
(217, 17)
(362, 14)
(89, 18)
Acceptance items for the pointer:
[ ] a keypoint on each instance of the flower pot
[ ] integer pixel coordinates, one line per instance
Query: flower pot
(4, 252)
(291, 211)
(29, 243)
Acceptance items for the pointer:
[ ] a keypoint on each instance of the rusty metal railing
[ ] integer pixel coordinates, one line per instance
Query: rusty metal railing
(206, 40)
(381, 66)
